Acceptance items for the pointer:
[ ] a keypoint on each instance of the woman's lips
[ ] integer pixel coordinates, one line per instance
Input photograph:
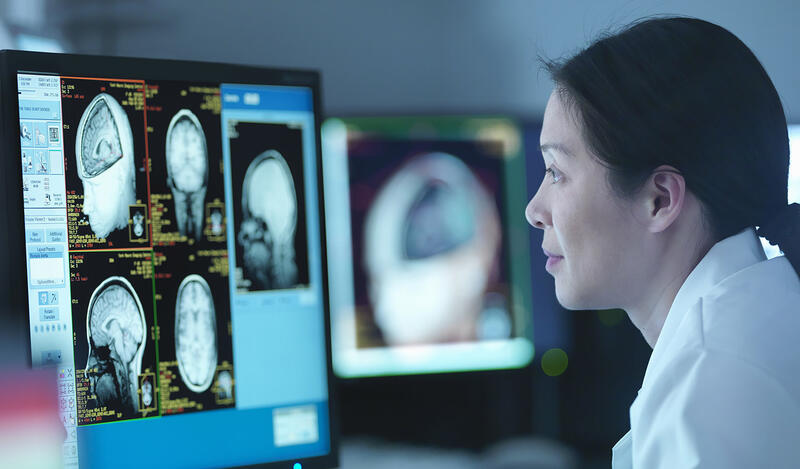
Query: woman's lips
(552, 259)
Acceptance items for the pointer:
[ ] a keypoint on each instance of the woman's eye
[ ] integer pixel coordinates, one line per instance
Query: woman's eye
(556, 174)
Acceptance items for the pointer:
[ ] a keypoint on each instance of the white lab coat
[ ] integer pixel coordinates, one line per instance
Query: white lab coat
(722, 388)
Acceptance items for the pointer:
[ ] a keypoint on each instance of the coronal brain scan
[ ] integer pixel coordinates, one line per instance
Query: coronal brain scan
(266, 234)
(224, 385)
(195, 333)
(116, 329)
(431, 240)
(216, 222)
(138, 223)
(104, 157)
(187, 170)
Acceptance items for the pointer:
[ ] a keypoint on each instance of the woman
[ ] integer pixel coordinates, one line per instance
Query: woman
(665, 146)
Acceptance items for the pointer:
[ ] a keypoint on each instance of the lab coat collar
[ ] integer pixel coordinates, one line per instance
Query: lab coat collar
(724, 259)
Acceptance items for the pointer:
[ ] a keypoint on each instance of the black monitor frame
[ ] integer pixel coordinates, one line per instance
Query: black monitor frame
(14, 305)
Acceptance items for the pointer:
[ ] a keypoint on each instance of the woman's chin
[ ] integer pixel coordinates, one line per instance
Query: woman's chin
(571, 300)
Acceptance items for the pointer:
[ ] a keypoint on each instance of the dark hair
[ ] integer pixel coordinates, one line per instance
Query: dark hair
(686, 93)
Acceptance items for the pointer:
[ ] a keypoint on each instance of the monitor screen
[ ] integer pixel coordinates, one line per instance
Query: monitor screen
(427, 245)
(794, 182)
(173, 255)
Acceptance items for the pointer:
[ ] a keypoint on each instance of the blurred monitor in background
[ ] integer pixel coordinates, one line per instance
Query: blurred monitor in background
(794, 182)
(428, 252)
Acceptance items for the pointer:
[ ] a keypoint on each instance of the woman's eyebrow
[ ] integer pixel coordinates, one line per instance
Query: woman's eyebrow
(561, 148)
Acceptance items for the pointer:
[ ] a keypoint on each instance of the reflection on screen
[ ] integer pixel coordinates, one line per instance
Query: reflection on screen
(421, 275)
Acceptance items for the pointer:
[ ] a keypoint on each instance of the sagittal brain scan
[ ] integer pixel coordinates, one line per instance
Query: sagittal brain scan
(269, 206)
(195, 333)
(115, 327)
(115, 344)
(187, 170)
(431, 246)
(105, 164)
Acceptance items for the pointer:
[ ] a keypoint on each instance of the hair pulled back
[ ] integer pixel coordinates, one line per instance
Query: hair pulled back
(687, 93)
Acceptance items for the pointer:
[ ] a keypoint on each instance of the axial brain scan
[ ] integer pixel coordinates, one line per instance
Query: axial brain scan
(147, 393)
(104, 154)
(195, 333)
(115, 326)
(431, 241)
(187, 171)
(269, 207)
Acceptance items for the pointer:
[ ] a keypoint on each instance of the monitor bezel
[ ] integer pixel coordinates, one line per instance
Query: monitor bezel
(13, 62)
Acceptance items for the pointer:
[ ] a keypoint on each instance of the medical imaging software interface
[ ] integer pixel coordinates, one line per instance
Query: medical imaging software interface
(174, 268)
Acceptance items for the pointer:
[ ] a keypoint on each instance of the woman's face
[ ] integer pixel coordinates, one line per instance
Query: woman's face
(592, 231)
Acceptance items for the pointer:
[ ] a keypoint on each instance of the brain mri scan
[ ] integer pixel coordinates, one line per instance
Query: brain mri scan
(431, 240)
(187, 171)
(138, 224)
(195, 333)
(115, 327)
(104, 154)
(216, 222)
(266, 234)
(224, 385)
(147, 393)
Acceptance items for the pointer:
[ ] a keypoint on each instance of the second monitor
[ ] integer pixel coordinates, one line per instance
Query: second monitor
(428, 250)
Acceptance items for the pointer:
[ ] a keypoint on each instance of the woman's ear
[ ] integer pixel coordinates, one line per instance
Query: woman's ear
(663, 198)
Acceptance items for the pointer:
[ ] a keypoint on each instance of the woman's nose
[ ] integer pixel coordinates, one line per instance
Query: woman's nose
(533, 214)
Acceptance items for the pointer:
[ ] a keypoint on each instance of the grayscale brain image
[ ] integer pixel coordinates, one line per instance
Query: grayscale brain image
(224, 386)
(104, 158)
(429, 257)
(105, 161)
(195, 333)
(187, 170)
(116, 326)
(196, 343)
(269, 206)
(269, 221)
(112, 317)
(147, 395)
(187, 189)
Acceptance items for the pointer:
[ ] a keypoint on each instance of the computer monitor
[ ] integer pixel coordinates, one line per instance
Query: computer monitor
(428, 248)
(167, 243)
(794, 182)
